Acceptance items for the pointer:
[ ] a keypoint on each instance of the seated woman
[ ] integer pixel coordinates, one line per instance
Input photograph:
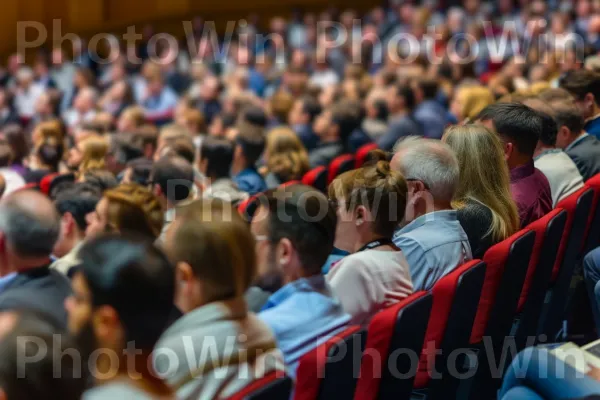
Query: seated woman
(88, 154)
(370, 202)
(485, 206)
(285, 156)
(468, 101)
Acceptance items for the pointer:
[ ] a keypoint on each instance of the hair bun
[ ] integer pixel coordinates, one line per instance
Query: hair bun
(383, 168)
(375, 156)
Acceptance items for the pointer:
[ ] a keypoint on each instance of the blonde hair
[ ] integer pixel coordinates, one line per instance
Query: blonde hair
(287, 157)
(216, 242)
(134, 209)
(484, 176)
(95, 149)
(474, 99)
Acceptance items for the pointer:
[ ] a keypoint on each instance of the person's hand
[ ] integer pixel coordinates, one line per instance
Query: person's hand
(594, 372)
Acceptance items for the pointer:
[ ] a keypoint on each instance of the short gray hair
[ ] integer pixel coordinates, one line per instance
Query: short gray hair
(432, 162)
(29, 235)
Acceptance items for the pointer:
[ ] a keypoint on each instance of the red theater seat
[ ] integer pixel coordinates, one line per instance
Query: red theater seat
(548, 234)
(593, 233)
(330, 370)
(317, 178)
(272, 386)
(578, 207)
(339, 165)
(361, 154)
(248, 207)
(394, 341)
(455, 300)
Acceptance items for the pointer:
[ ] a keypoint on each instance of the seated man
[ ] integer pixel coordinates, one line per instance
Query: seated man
(294, 238)
(432, 239)
(250, 144)
(584, 85)
(333, 126)
(520, 128)
(122, 302)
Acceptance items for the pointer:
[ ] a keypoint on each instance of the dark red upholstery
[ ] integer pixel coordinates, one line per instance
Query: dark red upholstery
(274, 385)
(248, 207)
(46, 182)
(362, 152)
(593, 232)
(317, 178)
(452, 313)
(496, 259)
(548, 235)
(321, 374)
(401, 326)
(339, 165)
(289, 183)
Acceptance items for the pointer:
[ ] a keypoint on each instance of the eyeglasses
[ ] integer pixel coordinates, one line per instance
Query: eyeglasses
(418, 180)
(260, 238)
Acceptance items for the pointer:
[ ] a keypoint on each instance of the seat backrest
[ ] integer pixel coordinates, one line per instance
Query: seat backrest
(275, 386)
(361, 154)
(548, 230)
(339, 165)
(317, 178)
(455, 300)
(289, 183)
(593, 233)
(394, 342)
(577, 207)
(331, 369)
(502, 286)
(248, 207)
(46, 182)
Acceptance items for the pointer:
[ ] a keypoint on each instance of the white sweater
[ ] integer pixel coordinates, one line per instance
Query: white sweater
(369, 281)
(562, 173)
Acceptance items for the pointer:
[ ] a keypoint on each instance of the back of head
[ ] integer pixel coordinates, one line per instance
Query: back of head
(254, 115)
(213, 239)
(38, 380)
(281, 104)
(134, 278)
(219, 154)
(549, 127)
(101, 179)
(378, 188)
(79, 201)
(483, 175)
(311, 107)
(6, 155)
(95, 149)
(305, 217)
(516, 122)
(429, 87)
(174, 176)
(134, 210)
(555, 94)
(50, 154)
(347, 117)
(287, 157)
(581, 82)
(15, 136)
(566, 113)
(474, 99)
(251, 139)
(29, 223)
(431, 162)
(182, 147)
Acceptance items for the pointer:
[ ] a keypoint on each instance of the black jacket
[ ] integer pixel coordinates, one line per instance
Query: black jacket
(40, 289)
(586, 155)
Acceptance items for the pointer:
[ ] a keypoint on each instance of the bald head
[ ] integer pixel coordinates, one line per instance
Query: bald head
(29, 224)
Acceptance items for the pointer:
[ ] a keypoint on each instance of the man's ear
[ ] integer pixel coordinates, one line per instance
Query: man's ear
(508, 150)
(589, 100)
(284, 251)
(68, 223)
(105, 321)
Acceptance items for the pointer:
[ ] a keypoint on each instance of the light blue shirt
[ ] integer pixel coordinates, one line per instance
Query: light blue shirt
(302, 315)
(162, 103)
(434, 245)
(5, 280)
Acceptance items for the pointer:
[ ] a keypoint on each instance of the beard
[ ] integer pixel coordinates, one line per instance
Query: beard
(272, 280)
(87, 343)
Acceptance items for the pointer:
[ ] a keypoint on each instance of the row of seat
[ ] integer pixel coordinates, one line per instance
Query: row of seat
(518, 292)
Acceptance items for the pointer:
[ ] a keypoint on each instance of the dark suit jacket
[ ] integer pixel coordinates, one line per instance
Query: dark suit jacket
(586, 155)
(40, 289)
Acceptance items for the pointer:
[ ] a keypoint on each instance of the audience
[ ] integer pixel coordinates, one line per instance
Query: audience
(73, 205)
(429, 113)
(583, 148)
(370, 202)
(485, 208)
(90, 153)
(333, 126)
(402, 123)
(291, 249)
(520, 128)
(431, 237)
(214, 255)
(469, 101)
(29, 229)
(172, 181)
(249, 146)
(302, 118)
(561, 171)
(122, 302)
(285, 157)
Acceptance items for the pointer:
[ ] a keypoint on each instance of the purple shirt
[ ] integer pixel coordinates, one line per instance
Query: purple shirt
(531, 191)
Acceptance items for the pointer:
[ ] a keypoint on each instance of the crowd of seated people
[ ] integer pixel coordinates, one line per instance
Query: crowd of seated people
(168, 205)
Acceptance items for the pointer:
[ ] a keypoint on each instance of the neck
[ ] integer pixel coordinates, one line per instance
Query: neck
(435, 206)
(518, 161)
(541, 147)
(399, 113)
(367, 238)
(23, 265)
(238, 166)
(134, 369)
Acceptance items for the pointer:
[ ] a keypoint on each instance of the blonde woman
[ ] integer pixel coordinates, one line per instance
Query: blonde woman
(468, 101)
(89, 154)
(285, 156)
(485, 206)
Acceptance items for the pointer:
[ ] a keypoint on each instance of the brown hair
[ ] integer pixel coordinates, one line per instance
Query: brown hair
(216, 242)
(136, 114)
(95, 149)
(134, 209)
(281, 104)
(377, 187)
(287, 157)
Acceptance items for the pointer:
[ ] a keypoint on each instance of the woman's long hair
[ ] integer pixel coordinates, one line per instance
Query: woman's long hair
(286, 156)
(95, 149)
(484, 176)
